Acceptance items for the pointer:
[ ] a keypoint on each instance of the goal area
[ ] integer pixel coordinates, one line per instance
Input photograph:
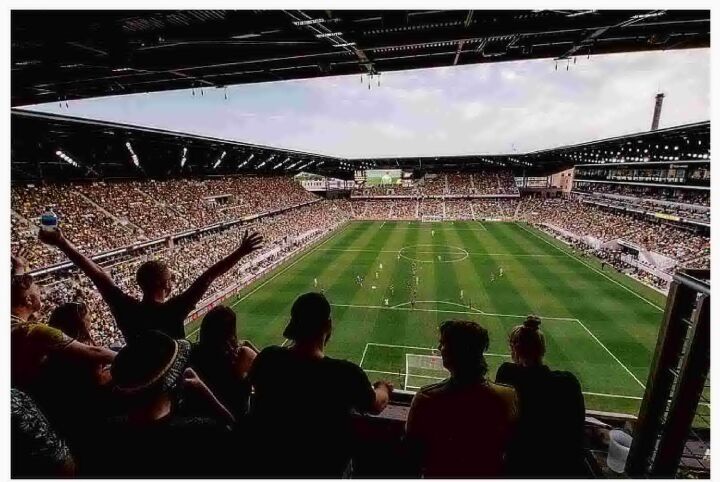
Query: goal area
(431, 219)
(422, 370)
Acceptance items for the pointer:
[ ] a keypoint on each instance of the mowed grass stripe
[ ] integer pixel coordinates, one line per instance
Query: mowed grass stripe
(502, 296)
(531, 280)
(352, 325)
(263, 315)
(626, 325)
(565, 288)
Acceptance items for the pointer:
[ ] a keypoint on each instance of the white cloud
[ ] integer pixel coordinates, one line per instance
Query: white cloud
(468, 109)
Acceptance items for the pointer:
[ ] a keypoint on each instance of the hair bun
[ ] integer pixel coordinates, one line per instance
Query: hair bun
(532, 322)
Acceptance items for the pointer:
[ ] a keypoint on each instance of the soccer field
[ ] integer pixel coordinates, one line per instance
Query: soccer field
(600, 325)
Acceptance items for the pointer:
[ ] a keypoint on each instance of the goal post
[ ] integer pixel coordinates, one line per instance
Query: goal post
(431, 219)
(423, 370)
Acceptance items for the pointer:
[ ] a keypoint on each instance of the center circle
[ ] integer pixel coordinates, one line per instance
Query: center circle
(433, 253)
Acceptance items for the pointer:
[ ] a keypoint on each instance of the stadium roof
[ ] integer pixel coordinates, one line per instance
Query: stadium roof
(106, 150)
(63, 55)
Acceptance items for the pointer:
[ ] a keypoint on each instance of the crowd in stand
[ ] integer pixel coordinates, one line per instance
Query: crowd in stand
(161, 406)
(458, 209)
(104, 216)
(683, 203)
(675, 195)
(614, 258)
(483, 182)
(584, 219)
(431, 207)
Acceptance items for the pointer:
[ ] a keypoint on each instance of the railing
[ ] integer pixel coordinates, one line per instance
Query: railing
(672, 433)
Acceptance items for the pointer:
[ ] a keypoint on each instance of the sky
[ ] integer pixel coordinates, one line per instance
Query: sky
(495, 108)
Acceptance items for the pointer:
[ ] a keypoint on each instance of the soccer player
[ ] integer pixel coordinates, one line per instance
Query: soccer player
(315, 282)
(376, 275)
(398, 256)
(462, 294)
(392, 290)
(432, 232)
(501, 272)
(387, 302)
(417, 281)
(602, 266)
(492, 277)
(380, 265)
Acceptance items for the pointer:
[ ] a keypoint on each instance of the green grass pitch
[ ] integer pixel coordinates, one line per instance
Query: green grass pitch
(600, 325)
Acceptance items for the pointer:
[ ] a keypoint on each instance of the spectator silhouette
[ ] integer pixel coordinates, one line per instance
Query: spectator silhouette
(222, 362)
(549, 439)
(303, 399)
(151, 439)
(72, 393)
(461, 427)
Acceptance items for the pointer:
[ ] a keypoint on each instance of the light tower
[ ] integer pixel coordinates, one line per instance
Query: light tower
(658, 109)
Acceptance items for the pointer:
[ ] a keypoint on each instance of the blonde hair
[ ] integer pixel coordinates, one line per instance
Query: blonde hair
(528, 341)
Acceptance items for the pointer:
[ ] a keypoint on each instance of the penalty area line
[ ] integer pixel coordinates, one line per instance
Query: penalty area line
(475, 312)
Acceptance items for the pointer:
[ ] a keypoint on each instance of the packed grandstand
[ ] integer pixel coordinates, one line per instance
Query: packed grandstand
(120, 221)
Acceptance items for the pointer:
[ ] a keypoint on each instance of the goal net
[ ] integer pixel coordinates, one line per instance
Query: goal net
(421, 370)
(431, 219)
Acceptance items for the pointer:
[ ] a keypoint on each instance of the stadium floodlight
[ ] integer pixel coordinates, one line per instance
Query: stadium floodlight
(329, 34)
(134, 156)
(244, 163)
(281, 163)
(292, 165)
(66, 158)
(265, 161)
(220, 159)
(184, 158)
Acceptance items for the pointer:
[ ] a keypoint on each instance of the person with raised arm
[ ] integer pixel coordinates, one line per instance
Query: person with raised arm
(156, 310)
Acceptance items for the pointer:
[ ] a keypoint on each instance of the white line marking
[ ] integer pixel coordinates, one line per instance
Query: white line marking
(401, 374)
(383, 224)
(403, 346)
(591, 267)
(363, 355)
(301, 257)
(433, 350)
(476, 312)
(395, 251)
(610, 395)
(611, 353)
(407, 370)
